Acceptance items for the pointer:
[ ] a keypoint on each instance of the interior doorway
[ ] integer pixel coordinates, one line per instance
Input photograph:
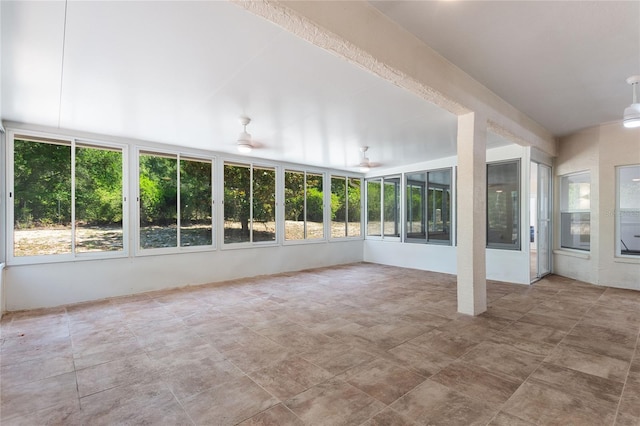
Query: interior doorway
(539, 221)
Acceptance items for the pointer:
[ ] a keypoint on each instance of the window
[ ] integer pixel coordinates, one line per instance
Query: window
(174, 190)
(345, 207)
(503, 205)
(415, 194)
(575, 215)
(391, 215)
(249, 203)
(304, 206)
(196, 202)
(428, 199)
(439, 206)
(374, 214)
(629, 210)
(383, 207)
(59, 212)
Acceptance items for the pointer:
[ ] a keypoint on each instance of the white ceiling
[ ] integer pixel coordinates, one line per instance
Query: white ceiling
(182, 72)
(563, 63)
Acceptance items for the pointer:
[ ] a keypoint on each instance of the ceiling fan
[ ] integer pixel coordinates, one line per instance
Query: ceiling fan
(365, 165)
(245, 143)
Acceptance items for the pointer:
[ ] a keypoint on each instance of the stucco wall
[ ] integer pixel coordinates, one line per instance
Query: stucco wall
(598, 150)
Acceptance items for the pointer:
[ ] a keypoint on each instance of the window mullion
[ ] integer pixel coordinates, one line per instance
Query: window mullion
(73, 198)
(251, 203)
(178, 204)
(304, 208)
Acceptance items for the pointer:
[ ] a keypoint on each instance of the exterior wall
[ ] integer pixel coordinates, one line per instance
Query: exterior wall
(598, 150)
(618, 147)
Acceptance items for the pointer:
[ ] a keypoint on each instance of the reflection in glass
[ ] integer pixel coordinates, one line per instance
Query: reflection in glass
(575, 214)
(158, 200)
(314, 226)
(338, 207)
(629, 206)
(354, 223)
(98, 199)
(503, 205)
(195, 203)
(42, 198)
(439, 205)
(294, 205)
(415, 193)
(237, 196)
(373, 207)
(391, 215)
(263, 225)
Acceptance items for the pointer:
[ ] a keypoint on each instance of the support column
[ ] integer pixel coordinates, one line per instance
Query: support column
(472, 214)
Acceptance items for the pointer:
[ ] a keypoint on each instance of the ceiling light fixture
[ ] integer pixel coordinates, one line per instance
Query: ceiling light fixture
(244, 139)
(632, 112)
(364, 163)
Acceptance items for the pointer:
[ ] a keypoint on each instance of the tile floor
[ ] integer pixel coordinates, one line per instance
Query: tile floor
(356, 344)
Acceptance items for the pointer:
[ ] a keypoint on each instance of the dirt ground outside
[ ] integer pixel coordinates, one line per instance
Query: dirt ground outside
(57, 240)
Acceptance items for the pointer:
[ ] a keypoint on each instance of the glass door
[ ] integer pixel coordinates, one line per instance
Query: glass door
(544, 220)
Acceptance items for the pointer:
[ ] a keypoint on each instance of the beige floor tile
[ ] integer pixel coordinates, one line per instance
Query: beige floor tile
(498, 359)
(623, 419)
(543, 405)
(630, 402)
(199, 375)
(388, 417)
(600, 390)
(589, 362)
(337, 357)
(289, 377)
(149, 403)
(419, 359)
(334, 403)
(477, 383)
(123, 371)
(382, 379)
(229, 403)
(58, 392)
(275, 416)
(534, 332)
(446, 342)
(505, 419)
(434, 404)
(163, 356)
(31, 371)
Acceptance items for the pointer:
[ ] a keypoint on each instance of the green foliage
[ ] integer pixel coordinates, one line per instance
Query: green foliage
(42, 184)
(98, 186)
(158, 190)
(314, 204)
(294, 196)
(195, 192)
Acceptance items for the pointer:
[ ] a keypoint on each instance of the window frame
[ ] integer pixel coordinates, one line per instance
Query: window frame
(326, 195)
(425, 207)
(73, 142)
(621, 212)
(506, 246)
(562, 210)
(346, 178)
(250, 165)
(139, 251)
(398, 208)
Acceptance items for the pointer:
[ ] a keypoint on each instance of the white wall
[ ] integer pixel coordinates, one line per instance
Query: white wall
(598, 150)
(54, 284)
(502, 265)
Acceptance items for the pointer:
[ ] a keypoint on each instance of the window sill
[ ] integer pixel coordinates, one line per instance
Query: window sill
(572, 253)
(630, 260)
